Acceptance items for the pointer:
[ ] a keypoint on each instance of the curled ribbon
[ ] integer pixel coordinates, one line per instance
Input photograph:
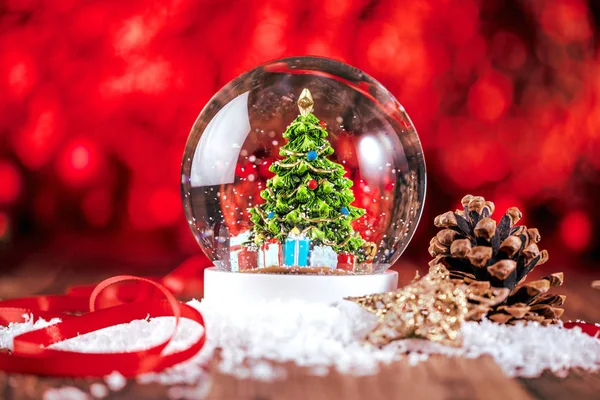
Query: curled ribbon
(31, 354)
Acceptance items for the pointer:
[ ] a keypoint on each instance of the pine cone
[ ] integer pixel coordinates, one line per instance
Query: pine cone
(495, 259)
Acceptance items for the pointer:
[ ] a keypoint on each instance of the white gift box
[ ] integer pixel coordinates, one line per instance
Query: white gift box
(269, 254)
(323, 256)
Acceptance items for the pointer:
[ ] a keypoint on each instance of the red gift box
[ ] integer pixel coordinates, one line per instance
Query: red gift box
(247, 259)
(346, 262)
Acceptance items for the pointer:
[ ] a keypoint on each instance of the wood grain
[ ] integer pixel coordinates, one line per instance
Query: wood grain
(437, 378)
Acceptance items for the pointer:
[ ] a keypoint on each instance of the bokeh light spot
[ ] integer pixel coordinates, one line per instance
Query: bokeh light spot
(80, 157)
(21, 77)
(566, 20)
(10, 182)
(164, 206)
(490, 96)
(36, 144)
(576, 230)
(79, 162)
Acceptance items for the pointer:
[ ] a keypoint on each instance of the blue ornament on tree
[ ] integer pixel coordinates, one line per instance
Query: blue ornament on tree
(344, 211)
(270, 215)
(311, 155)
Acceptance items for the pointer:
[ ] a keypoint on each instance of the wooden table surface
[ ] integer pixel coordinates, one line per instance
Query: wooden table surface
(437, 378)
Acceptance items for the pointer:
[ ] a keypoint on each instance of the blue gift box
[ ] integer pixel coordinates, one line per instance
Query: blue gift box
(295, 251)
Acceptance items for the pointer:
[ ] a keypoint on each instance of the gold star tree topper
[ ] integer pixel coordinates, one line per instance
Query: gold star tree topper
(305, 102)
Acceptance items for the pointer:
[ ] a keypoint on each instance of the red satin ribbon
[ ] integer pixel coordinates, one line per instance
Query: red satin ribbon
(31, 354)
(590, 329)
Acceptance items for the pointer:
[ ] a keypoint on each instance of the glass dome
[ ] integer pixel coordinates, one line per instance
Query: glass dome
(303, 165)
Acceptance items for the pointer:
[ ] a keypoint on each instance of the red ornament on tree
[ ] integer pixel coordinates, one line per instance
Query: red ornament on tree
(312, 184)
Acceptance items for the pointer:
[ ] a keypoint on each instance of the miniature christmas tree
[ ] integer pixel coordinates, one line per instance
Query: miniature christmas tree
(308, 192)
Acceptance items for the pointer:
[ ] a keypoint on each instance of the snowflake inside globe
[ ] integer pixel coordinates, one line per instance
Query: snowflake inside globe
(303, 165)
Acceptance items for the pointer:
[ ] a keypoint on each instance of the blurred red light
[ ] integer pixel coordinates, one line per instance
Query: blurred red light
(165, 206)
(90, 22)
(80, 157)
(37, 142)
(93, 93)
(137, 208)
(463, 22)
(141, 75)
(337, 8)
(149, 209)
(576, 230)
(79, 162)
(21, 5)
(472, 159)
(10, 183)
(490, 97)
(566, 20)
(21, 76)
(508, 50)
(385, 53)
(133, 35)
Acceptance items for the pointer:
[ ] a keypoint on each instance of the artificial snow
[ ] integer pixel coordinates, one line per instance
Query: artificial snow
(7, 333)
(98, 390)
(65, 393)
(254, 340)
(115, 381)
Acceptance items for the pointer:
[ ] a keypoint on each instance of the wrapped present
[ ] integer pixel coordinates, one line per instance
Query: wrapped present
(235, 247)
(270, 254)
(346, 262)
(296, 249)
(247, 258)
(323, 256)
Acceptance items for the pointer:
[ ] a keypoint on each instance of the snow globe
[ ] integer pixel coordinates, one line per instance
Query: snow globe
(303, 177)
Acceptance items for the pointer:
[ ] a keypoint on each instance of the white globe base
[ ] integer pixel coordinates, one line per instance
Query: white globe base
(224, 286)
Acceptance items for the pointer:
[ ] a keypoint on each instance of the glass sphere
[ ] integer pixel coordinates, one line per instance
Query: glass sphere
(303, 165)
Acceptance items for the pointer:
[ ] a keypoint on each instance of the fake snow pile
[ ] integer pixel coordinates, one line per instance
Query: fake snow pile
(8, 333)
(253, 340)
(322, 337)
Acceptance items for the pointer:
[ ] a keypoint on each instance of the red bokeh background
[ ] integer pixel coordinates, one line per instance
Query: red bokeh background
(97, 99)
